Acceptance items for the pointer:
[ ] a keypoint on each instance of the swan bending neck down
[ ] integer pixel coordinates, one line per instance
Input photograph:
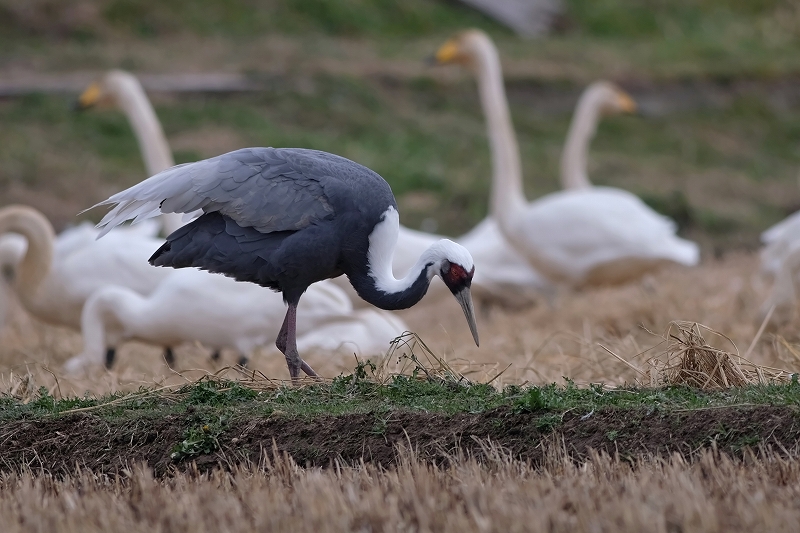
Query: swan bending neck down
(34, 266)
(123, 90)
(243, 317)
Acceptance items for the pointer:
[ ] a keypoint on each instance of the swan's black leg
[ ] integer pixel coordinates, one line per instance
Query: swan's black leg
(111, 354)
(169, 357)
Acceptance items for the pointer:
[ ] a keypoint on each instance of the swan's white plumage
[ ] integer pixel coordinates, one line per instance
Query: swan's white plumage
(589, 235)
(192, 305)
(75, 265)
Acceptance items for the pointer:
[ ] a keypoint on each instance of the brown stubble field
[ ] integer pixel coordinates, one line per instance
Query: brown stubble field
(710, 494)
(569, 337)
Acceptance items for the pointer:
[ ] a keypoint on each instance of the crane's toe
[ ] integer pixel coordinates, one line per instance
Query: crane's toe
(307, 369)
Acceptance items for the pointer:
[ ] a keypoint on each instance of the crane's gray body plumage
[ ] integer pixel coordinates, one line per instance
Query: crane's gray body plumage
(283, 218)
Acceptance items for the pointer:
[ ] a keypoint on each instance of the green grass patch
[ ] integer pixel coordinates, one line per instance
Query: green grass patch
(212, 404)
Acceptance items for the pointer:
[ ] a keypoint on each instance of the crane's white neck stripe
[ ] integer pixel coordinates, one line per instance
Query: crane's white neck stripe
(382, 243)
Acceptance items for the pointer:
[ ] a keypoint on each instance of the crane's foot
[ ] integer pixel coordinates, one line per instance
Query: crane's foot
(169, 357)
(243, 360)
(111, 354)
(215, 356)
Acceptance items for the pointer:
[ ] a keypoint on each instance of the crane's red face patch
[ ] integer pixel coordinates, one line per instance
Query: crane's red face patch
(456, 278)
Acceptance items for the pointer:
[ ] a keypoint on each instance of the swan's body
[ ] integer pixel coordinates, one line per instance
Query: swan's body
(191, 305)
(53, 279)
(587, 236)
(782, 301)
(123, 90)
(779, 242)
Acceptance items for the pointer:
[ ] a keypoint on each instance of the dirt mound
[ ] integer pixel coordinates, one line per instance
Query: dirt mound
(60, 444)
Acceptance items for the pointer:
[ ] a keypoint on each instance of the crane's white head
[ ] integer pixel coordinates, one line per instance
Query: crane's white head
(106, 90)
(608, 98)
(453, 263)
(444, 258)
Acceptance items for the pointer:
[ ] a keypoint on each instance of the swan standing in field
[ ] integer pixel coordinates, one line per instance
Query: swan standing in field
(589, 236)
(123, 90)
(192, 305)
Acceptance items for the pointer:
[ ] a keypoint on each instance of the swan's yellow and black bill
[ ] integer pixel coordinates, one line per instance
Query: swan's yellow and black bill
(447, 53)
(90, 97)
(626, 102)
(464, 297)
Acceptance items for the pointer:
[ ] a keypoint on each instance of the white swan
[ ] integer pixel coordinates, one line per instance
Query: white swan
(192, 305)
(511, 274)
(53, 279)
(123, 90)
(12, 249)
(590, 236)
(598, 99)
(779, 242)
(782, 301)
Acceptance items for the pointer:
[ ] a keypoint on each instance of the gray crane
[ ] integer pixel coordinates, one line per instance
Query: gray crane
(284, 218)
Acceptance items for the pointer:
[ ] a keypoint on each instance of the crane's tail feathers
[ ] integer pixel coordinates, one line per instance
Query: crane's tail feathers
(147, 199)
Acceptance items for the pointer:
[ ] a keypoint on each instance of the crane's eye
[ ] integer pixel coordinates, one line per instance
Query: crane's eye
(456, 277)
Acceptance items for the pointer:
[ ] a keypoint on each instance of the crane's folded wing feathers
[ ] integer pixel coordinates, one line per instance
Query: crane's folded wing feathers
(266, 188)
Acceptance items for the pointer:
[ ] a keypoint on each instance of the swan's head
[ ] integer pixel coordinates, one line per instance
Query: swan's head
(107, 90)
(608, 98)
(464, 48)
(453, 263)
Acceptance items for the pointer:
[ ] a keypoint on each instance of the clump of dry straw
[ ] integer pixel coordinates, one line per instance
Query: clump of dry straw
(689, 360)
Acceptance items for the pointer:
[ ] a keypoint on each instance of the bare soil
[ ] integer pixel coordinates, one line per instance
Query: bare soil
(59, 444)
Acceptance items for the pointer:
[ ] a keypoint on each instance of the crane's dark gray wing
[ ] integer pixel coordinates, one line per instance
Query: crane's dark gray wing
(269, 189)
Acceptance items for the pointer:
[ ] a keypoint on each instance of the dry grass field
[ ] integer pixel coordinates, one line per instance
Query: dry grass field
(613, 446)
(539, 345)
(711, 494)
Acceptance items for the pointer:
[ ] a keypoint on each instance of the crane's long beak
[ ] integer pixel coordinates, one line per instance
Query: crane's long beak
(464, 298)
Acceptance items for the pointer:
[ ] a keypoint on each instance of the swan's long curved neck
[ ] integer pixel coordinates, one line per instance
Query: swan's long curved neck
(507, 190)
(35, 265)
(376, 283)
(574, 158)
(134, 103)
(107, 307)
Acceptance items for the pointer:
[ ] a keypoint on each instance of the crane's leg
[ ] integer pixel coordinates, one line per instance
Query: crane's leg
(287, 344)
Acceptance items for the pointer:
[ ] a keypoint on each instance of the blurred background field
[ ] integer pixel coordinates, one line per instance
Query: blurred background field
(716, 145)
